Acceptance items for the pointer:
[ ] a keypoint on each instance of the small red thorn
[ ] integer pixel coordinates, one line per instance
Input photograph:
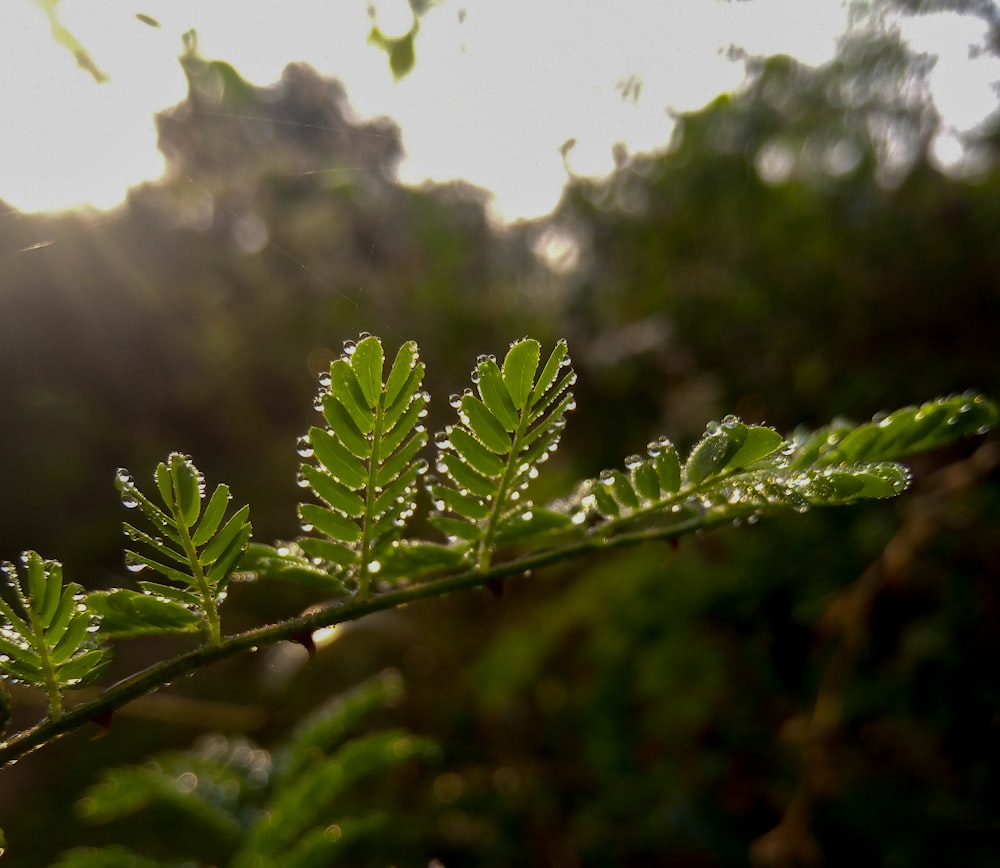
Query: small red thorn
(495, 587)
(305, 639)
(103, 721)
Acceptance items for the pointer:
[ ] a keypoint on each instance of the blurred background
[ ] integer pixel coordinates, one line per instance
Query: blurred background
(812, 233)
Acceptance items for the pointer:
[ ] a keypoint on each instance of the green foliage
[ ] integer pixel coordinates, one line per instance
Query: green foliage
(491, 456)
(192, 548)
(366, 465)
(291, 808)
(50, 643)
(365, 471)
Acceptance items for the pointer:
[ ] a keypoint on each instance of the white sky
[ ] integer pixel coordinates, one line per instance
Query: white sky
(492, 98)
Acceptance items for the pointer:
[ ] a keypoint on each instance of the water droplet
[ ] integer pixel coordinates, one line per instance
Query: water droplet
(527, 516)
(129, 500)
(133, 564)
(653, 448)
(632, 462)
(440, 505)
(325, 380)
(304, 447)
(474, 376)
(350, 347)
(565, 361)
(421, 466)
(374, 566)
(730, 421)
(455, 401)
(301, 481)
(306, 527)
(607, 477)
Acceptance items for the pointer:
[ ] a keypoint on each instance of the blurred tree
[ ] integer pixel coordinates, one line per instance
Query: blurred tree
(794, 254)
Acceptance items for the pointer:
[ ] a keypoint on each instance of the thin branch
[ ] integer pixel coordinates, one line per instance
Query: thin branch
(161, 674)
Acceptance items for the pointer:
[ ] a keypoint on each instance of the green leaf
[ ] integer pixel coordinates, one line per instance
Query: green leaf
(338, 461)
(485, 425)
(466, 477)
(758, 443)
(335, 493)
(139, 536)
(448, 498)
(54, 652)
(401, 52)
(288, 563)
(473, 451)
(347, 390)
(367, 361)
(222, 540)
(186, 481)
(904, 432)
(330, 523)
(519, 368)
(125, 613)
(212, 518)
(713, 452)
(413, 559)
(370, 491)
(558, 359)
(404, 376)
(532, 526)
(340, 421)
(495, 452)
(328, 550)
(494, 394)
(169, 592)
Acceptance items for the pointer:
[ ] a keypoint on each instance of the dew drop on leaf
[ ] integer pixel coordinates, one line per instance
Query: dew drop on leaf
(304, 447)
(632, 462)
(350, 347)
(455, 401)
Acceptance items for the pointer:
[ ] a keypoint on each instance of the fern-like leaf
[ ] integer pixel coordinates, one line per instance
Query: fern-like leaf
(489, 459)
(192, 546)
(889, 437)
(292, 810)
(50, 643)
(365, 467)
(738, 471)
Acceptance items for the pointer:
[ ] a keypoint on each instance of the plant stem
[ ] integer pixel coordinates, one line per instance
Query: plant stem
(161, 674)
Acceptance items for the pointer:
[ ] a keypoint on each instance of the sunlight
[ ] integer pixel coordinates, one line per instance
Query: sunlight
(498, 91)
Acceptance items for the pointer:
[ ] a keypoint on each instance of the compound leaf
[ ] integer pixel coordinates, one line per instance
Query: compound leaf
(368, 493)
(489, 459)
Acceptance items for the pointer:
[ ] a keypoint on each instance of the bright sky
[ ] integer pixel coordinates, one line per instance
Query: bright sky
(499, 85)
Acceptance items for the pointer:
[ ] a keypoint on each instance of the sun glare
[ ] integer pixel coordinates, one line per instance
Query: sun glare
(508, 96)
